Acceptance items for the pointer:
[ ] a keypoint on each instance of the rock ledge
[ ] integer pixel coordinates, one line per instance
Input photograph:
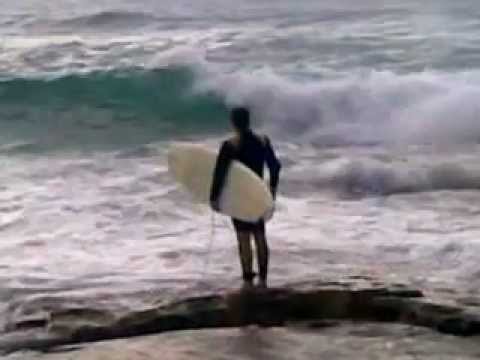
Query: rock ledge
(309, 302)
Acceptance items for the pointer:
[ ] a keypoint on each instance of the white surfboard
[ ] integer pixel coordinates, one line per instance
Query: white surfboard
(245, 196)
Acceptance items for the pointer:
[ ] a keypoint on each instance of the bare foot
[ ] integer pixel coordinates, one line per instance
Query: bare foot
(247, 286)
(262, 284)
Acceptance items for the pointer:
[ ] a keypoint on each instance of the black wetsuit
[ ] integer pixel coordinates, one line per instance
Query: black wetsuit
(253, 151)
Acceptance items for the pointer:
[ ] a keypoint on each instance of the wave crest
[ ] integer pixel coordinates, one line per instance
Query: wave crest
(376, 107)
(359, 109)
(365, 177)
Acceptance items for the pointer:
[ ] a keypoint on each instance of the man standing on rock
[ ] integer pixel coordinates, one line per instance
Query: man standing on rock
(254, 151)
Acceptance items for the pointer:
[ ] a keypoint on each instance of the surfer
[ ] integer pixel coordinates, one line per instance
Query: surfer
(254, 151)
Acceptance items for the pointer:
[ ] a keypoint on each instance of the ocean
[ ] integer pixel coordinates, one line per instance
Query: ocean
(372, 106)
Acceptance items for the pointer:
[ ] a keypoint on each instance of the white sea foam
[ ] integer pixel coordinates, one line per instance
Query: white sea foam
(373, 107)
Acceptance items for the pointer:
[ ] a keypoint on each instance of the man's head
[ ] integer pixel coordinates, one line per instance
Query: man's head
(240, 118)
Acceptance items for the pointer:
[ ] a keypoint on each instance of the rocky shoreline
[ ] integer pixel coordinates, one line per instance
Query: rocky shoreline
(314, 304)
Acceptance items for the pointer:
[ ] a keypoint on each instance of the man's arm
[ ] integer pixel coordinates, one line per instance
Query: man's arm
(221, 168)
(273, 165)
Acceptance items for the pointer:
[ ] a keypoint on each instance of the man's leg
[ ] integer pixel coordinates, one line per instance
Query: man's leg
(246, 258)
(263, 254)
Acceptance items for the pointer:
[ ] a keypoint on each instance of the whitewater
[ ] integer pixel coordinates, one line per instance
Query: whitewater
(373, 108)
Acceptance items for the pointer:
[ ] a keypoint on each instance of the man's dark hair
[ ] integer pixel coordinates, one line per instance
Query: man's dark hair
(240, 117)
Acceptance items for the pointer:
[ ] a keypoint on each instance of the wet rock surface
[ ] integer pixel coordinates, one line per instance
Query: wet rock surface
(315, 302)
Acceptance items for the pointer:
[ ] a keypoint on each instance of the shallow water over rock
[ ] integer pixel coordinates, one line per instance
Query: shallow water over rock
(345, 341)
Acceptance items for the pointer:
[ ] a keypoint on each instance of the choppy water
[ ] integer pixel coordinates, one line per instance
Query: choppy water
(373, 108)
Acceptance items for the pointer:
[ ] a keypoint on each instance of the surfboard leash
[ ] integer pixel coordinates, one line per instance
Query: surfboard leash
(209, 245)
